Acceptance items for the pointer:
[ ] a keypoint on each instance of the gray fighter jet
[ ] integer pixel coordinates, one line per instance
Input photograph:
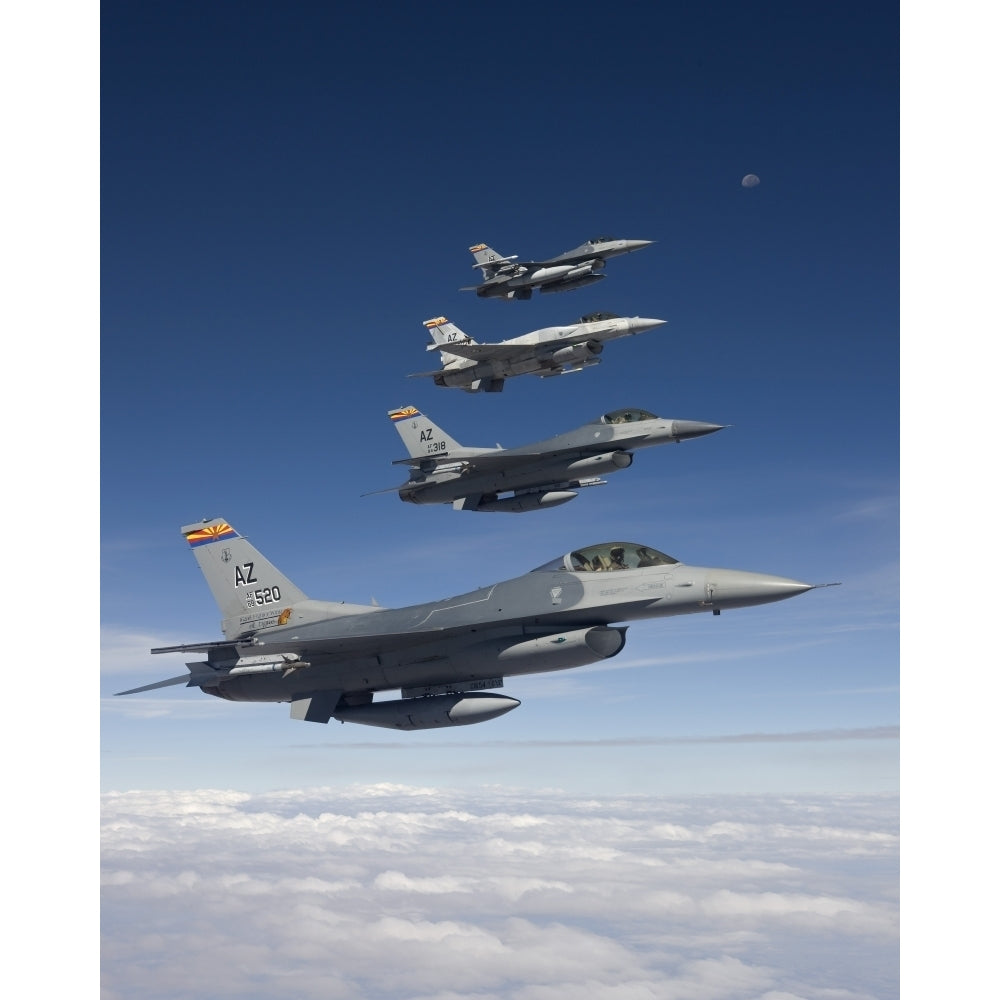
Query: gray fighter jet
(544, 474)
(329, 659)
(508, 278)
(554, 350)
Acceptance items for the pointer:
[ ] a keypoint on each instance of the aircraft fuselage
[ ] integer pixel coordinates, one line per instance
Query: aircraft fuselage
(595, 449)
(544, 620)
(550, 351)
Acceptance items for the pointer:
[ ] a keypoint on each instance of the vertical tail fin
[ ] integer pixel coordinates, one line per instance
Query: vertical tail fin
(422, 437)
(444, 332)
(250, 592)
(488, 260)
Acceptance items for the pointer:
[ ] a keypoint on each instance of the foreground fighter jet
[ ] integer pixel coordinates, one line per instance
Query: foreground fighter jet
(507, 278)
(543, 474)
(554, 350)
(328, 659)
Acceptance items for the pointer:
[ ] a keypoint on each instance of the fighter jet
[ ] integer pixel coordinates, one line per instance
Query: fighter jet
(506, 278)
(445, 657)
(535, 476)
(554, 350)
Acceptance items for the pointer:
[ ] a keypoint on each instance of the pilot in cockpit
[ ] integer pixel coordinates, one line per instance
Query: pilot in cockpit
(646, 558)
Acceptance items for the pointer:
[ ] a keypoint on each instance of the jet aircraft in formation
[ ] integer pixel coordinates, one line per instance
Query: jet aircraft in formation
(554, 350)
(544, 474)
(508, 278)
(446, 658)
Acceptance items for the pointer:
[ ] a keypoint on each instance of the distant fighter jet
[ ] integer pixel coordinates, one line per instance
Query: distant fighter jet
(329, 659)
(543, 474)
(555, 350)
(506, 278)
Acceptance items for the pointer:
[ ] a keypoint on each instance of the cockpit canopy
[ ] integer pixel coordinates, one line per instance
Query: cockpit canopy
(600, 239)
(627, 416)
(598, 317)
(607, 557)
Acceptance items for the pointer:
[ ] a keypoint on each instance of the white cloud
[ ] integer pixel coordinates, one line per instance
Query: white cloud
(877, 508)
(126, 651)
(385, 891)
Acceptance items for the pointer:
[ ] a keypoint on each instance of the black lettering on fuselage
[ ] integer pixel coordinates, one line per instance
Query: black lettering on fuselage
(426, 435)
(244, 575)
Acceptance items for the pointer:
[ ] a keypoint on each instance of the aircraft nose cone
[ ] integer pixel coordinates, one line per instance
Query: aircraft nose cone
(685, 429)
(737, 589)
(631, 245)
(639, 324)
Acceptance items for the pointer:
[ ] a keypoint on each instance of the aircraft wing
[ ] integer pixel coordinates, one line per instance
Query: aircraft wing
(470, 464)
(183, 679)
(335, 647)
(485, 352)
(511, 352)
(496, 461)
(504, 460)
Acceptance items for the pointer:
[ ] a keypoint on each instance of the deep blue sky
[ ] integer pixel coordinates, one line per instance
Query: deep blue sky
(287, 193)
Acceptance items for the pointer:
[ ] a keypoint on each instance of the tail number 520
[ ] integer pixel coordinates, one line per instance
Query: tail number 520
(267, 595)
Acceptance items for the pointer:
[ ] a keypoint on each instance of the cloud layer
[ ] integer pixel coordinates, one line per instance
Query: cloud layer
(389, 892)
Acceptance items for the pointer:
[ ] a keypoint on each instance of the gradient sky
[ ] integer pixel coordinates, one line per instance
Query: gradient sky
(286, 194)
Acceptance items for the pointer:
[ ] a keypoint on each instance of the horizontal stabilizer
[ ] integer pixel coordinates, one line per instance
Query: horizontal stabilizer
(498, 262)
(388, 489)
(159, 684)
(447, 348)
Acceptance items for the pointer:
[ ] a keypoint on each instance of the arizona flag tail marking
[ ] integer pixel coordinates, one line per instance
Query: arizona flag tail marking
(210, 533)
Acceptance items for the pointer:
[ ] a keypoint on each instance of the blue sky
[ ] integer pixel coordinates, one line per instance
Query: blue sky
(286, 194)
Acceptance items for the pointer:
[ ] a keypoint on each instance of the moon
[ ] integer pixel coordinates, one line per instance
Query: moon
(750, 181)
